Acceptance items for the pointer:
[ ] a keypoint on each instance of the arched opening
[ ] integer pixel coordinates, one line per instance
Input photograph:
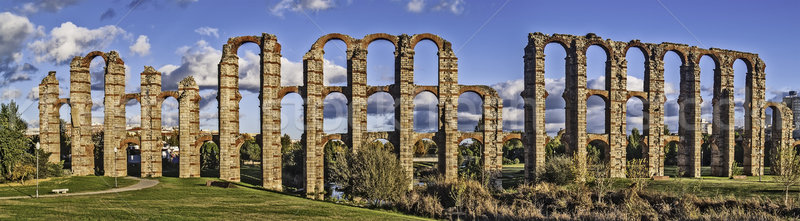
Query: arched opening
(334, 63)
(636, 67)
(470, 158)
(426, 160)
(671, 160)
(772, 134)
(555, 113)
(740, 73)
(335, 152)
(596, 108)
(708, 67)
(380, 63)
(133, 158)
(381, 143)
(65, 132)
(672, 77)
(170, 152)
(513, 172)
(470, 112)
(635, 125)
(597, 153)
(426, 112)
(380, 112)
(334, 113)
(97, 71)
(209, 159)
(249, 78)
(596, 58)
(426, 63)
(292, 149)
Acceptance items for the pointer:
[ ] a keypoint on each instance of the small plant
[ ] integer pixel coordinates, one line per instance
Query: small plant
(637, 172)
(787, 163)
(736, 169)
(558, 170)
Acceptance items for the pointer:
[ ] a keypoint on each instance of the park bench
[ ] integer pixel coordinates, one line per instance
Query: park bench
(60, 190)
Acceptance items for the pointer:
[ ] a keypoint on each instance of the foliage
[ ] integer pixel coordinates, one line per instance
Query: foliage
(250, 150)
(209, 156)
(97, 139)
(13, 143)
(736, 169)
(424, 147)
(335, 150)
(634, 148)
(705, 150)
(374, 174)
(513, 152)
(637, 171)
(293, 159)
(558, 170)
(594, 155)
(554, 146)
(671, 154)
(172, 140)
(787, 162)
(469, 160)
(66, 143)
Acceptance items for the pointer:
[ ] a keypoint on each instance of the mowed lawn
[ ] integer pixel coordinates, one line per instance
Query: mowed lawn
(179, 199)
(706, 186)
(75, 184)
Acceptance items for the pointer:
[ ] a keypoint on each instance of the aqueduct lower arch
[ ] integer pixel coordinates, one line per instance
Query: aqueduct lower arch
(403, 91)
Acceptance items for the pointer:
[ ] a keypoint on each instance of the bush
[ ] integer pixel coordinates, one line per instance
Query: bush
(374, 174)
(558, 170)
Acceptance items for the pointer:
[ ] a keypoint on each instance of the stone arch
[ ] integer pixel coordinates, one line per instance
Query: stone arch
(321, 41)
(130, 169)
(680, 50)
(87, 60)
(439, 41)
(167, 94)
(287, 90)
(430, 89)
(645, 72)
(236, 42)
(128, 97)
(589, 51)
(368, 39)
(600, 43)
(700, 53)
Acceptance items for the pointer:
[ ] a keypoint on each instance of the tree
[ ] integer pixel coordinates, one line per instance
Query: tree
(554, 146)
(634, 148)
(97, 139)
(209, 156)
(13, 143)
(293, 159)
(374, 174)
(788, 169)
(469, 160)
(250, 150)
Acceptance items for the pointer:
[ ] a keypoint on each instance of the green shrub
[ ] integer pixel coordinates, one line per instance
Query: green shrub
(558, 170)
(374, 174)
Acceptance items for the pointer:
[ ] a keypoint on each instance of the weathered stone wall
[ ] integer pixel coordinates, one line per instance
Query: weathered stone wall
(49, 124)
(189, 125)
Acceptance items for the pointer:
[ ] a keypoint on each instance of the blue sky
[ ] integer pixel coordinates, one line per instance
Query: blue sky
(184, 37)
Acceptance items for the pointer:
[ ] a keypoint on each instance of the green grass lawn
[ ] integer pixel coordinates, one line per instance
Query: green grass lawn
(75, 184)
(188, 198)
(705, 186)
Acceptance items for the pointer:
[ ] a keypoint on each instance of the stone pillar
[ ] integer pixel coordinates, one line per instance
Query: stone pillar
(723, 123)
(689, 152)
(492, 128)
(574, 95)
(151, 144)
(313, 77)
(271, 113)
(448, 101)
(229, 113)
(49, 122)
(81, 107)
(653, 151)
(617, 86)
(403, 92)
(189, 127)
(534, 95)
(754, 120)
(114, 117)
(357, 93)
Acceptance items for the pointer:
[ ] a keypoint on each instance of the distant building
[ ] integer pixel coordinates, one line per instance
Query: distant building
(793, 102)
(706, 126)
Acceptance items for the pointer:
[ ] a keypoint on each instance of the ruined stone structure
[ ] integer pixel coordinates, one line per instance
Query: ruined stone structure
(616, 95)
(403, 137)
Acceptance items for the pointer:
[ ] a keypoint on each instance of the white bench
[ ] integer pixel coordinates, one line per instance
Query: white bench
(60, 190)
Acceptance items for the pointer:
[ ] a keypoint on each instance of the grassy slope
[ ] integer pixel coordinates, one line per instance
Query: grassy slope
(74, 184)
(177, 198)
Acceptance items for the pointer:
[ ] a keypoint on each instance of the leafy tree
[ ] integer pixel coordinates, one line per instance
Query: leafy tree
(787, 165)
(554, 146)
(13, 143)
(250, 150)
(634, 148)
(293, 159)
(469, 160)
(97, 139)
(334, 151)
(513, 152)
(424, 147)
(65, 144)
(374, 174)
(209, 156)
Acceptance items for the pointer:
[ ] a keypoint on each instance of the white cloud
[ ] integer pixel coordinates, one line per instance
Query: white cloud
(453, 6)
(14, 30)
(415, 6)
(70, 40)
(33, 94)
(301, 5)
(142, 46)
(46, 5)
(291, 73)
(199, 60)
(10, 94)
(209, 31)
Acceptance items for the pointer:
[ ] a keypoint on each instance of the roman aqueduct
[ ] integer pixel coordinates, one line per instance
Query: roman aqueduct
(403, 91)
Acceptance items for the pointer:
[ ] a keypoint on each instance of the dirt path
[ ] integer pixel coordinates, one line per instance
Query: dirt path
(143, 184)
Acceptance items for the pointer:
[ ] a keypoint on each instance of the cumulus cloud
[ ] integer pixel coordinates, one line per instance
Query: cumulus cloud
(10, 94)
(415, 6)
(33, 94)
(426, 112)
(301, 5)
(35, 6)
(209, 31)
(69, 40)
(141, 47)
(14, 30)
(199, 60)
